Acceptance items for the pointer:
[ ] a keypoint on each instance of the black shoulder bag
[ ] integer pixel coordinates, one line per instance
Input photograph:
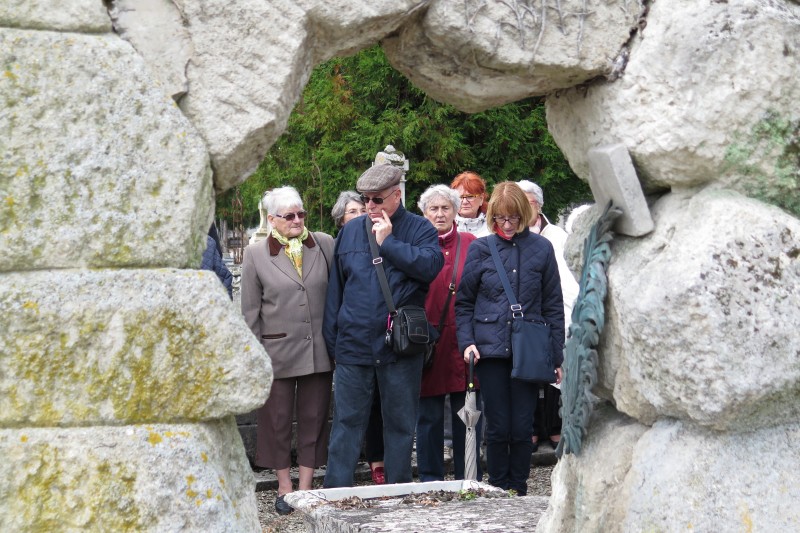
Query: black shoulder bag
(407, 327)
(530, 340)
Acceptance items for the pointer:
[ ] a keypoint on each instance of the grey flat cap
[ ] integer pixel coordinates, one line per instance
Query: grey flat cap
(379, 177)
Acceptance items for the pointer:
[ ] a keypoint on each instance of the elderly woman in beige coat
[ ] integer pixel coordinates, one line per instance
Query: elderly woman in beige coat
(284, 281)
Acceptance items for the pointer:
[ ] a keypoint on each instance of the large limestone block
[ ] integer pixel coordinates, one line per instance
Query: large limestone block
(156, 29)
(250, 61)
(589, 490)
(686, 478)
(88, 347)
(709, 94)
(84, 16)
(476, 54)
(702, 314)
(99, 166)
(187, 477)
(677, 476)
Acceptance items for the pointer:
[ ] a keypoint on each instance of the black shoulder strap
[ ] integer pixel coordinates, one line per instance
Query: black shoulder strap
(377, 260)
(516, 309)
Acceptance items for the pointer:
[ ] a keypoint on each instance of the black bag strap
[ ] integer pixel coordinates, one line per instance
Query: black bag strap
(377, 260)
(452, 287)
(516, 309)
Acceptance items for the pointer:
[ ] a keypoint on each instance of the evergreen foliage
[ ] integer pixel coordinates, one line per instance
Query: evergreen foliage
(354, 107)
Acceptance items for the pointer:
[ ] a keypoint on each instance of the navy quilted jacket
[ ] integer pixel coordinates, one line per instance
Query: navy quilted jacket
(483, 314)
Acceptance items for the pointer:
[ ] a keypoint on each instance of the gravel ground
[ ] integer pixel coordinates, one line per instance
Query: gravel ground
(272, 522)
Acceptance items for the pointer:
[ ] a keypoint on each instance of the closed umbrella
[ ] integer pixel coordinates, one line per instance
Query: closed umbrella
(470, 415)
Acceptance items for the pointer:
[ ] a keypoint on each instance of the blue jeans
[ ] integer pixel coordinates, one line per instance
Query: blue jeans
(353, 387)
(430, 437)
(509, 405)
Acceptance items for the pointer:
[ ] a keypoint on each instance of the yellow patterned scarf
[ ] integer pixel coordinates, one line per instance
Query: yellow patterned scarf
(294, 249)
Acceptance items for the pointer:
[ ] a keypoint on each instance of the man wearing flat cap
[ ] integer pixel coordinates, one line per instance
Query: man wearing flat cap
(355, 326)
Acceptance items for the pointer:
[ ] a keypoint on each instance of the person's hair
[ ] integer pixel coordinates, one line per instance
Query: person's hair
(472, 183)
(439, 190)
(531, 188)
(507, 198)
(338, 211)
(282, 198)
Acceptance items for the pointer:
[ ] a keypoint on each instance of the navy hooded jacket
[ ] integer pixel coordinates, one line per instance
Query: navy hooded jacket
(355, 311)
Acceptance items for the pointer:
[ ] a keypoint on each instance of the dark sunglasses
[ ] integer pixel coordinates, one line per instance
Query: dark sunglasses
(377, 200)
(288, 217)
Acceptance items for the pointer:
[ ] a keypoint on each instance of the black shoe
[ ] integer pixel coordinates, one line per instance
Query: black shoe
(554, 443)
(535, 447)
(281, 507)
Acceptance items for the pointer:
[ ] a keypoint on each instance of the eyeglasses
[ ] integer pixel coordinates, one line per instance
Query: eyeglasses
(288, 217)
(470, 197)
(377, 200)
(513, 219)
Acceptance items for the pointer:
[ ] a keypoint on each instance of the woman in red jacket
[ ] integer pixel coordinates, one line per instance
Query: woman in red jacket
(448, 373)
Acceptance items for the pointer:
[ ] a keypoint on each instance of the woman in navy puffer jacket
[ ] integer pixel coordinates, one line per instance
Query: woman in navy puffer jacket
(483, 319)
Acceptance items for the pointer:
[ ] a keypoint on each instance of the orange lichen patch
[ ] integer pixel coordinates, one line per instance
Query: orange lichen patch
(23, 438)
(31, 305)
(204, 456)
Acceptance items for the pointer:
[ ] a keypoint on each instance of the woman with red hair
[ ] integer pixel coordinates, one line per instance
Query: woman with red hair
(471, 215)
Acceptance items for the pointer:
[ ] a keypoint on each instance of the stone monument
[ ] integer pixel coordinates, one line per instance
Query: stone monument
(117, 395)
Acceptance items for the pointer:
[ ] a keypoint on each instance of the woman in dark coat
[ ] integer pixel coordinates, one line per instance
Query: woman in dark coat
(483, 318)
(448, 374)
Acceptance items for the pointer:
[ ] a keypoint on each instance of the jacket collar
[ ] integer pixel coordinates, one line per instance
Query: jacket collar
(275, 246)
(448, 237)
(524, 233)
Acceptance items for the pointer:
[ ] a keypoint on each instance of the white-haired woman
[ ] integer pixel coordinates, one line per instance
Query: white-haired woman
(284, 282)
(548, 422)
(448, 373)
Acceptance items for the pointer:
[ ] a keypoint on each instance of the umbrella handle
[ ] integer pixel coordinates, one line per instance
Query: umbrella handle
(471, 369)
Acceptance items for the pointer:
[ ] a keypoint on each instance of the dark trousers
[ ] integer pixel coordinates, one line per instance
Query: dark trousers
(547, 421)
(509, 405)
(312, 395)
(354, 385)
(373, 441)
(430, 437)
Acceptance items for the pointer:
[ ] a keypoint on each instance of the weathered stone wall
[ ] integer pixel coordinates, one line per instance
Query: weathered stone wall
(120, 371)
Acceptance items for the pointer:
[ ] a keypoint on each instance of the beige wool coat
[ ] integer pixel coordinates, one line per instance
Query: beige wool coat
(283, 311)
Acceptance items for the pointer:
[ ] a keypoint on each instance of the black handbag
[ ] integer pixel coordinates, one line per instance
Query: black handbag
(530, 340)
(407, 328)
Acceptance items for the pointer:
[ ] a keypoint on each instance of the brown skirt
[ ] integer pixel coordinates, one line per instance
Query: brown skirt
(312, 393)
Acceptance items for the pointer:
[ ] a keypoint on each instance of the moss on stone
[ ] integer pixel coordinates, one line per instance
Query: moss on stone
(768, 158)
(53, 486)
(163, 368)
